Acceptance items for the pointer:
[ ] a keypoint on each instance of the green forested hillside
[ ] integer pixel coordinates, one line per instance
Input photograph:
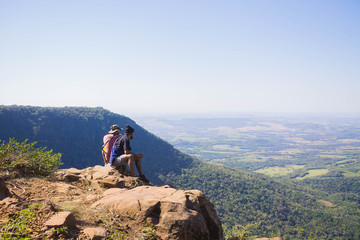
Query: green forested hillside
(77, 133)
(269, 207)
(273, 208)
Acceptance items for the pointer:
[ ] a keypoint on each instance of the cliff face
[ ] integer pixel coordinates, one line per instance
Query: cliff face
(102, 203)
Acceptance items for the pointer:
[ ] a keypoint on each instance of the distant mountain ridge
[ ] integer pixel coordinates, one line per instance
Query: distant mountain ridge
(269, 207)
(77, 133)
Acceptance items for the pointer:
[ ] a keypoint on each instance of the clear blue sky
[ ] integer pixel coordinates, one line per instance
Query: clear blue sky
(150, 57)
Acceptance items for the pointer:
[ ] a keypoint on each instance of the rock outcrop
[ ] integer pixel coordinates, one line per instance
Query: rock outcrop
(176, 214)
(62, 219)
(96, 233)
(111, 203)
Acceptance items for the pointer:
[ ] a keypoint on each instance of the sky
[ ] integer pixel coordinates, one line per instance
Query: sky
(175, 57)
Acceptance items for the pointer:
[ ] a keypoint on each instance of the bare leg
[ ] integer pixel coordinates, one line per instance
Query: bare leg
(131, 165)
(130, 159)
(138, 165)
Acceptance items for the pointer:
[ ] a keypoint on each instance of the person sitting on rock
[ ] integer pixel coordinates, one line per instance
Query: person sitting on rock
(121, 154)
(109, 140)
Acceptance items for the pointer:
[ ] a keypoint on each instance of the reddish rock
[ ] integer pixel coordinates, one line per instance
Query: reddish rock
(74, 171)
(97, 233)
(112, 182)
(102, 172)
(61, 219)
(176, 214)
(71, 177)
(4, 191)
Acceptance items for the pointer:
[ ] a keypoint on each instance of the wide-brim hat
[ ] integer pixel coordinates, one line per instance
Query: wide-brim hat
(115, 128)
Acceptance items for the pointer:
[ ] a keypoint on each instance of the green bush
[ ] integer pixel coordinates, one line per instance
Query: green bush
(237, 232)
(26, 160)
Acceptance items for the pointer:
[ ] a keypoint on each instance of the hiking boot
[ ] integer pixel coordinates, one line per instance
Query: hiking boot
(144, 179)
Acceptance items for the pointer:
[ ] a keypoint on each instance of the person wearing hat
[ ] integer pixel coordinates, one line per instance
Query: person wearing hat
(121, 154)
(109, 140)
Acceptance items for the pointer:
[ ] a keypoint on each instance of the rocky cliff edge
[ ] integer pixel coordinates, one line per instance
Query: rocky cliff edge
(103, 203)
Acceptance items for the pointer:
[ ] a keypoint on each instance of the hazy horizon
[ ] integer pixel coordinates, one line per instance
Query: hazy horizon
(176, 57)
(219, 114)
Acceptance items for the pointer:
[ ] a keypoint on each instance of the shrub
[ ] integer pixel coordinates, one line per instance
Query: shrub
(150, 233)
(238, 232)
(26, 160)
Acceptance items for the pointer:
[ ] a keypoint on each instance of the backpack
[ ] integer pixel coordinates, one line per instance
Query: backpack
(103, 152)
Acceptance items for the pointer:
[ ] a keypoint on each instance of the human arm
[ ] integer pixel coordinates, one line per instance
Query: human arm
(127, 149)
(140, 155)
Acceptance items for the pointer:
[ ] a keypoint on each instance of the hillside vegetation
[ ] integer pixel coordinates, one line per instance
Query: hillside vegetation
(77, 133)
(266, 207)
(23, 159)
(273, 208)
(282, 147)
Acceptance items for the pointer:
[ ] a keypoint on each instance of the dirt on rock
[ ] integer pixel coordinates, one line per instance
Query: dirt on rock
(34, 200)
(103, 203)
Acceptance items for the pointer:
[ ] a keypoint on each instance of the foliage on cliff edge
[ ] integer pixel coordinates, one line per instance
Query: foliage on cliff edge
(23, 159)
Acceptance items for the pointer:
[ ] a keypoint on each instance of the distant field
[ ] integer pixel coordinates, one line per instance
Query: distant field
(314, 173)
(280, 171)
(327, 203)
(225, 147)
(332, 156)
(268, 145)
(352, 174)
(216, 152)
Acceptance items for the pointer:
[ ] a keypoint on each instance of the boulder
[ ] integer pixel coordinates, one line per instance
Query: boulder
(112, 182)
(4, 191)
(8, 201)
(71, 177)
(176, 214)
(61, 219)
(96, 233)
(102, 172)
(74, 171)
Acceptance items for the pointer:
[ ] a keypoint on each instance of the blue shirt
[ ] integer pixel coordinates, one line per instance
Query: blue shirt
(121, 144)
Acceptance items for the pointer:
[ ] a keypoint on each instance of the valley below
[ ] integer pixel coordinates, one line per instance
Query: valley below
(281, 147)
